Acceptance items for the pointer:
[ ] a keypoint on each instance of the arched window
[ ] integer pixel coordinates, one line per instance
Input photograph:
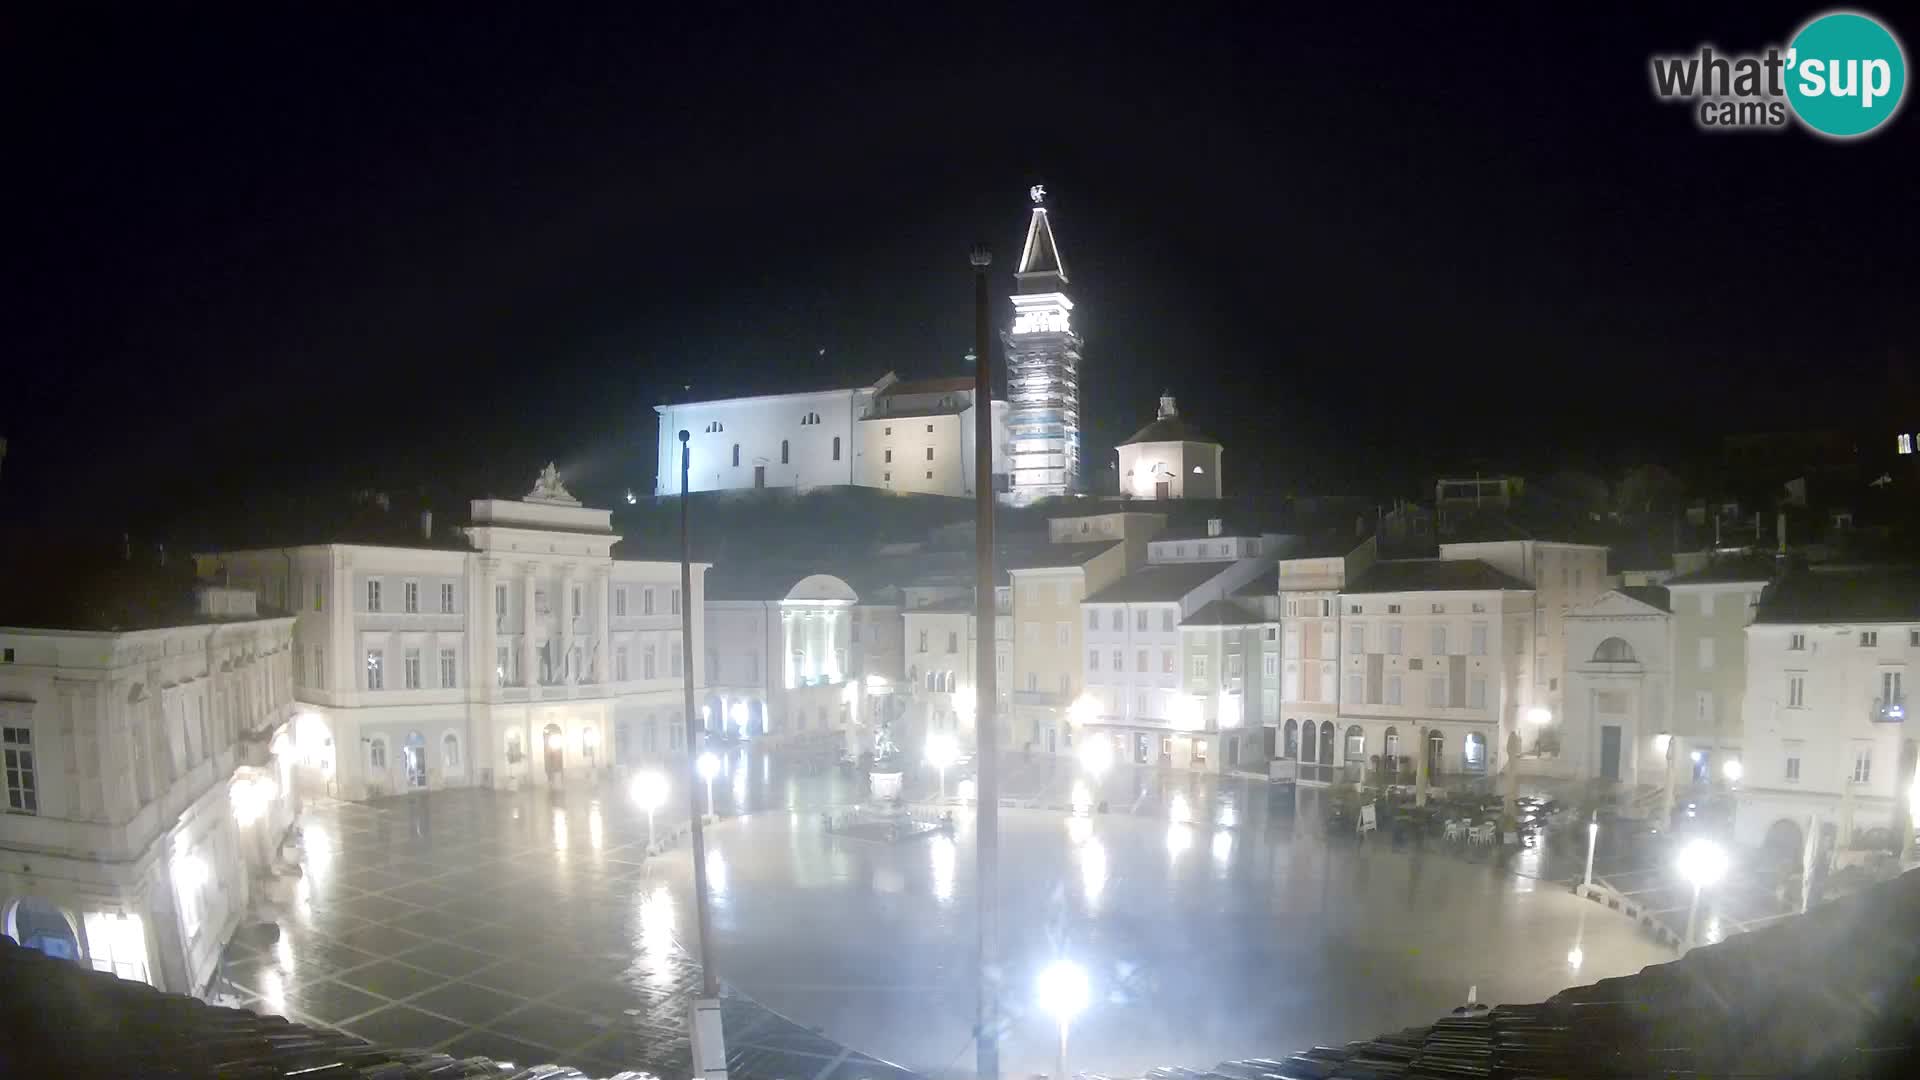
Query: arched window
(1326, 742)
(1614, 651)
(1436, 749)
(836, 448)
(377, 754)
(450, 751)
(1307, 741)
(1356, 743)
(1290, 748)
(1393, 743)
(783, 451)
(736, 455)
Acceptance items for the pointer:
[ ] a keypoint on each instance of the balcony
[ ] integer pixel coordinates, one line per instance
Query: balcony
(1891, 710)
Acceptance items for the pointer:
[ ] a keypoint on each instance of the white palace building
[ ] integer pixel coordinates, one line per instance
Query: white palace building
(515, 652)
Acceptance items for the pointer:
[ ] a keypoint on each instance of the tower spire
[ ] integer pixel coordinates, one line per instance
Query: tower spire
(1040, 269)
(1043, 369)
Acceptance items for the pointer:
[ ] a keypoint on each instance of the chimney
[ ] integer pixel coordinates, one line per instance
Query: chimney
(426, 524)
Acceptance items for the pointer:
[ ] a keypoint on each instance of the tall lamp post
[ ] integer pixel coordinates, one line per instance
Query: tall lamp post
(709, 766)
(986, 1034)
(1063, 994)
(650, 791)
(1701, 862)
(942, 751)
(708, 1041)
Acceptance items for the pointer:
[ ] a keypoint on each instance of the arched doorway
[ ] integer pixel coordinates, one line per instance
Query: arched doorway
(37, 924)
(1436, 749)
(415, 754)
(1307, 743)
(1785, 844)
(1474, 752)
(553, 743)
(1291, 741)
(1355, 751)
(377, 779)
(1326, 742)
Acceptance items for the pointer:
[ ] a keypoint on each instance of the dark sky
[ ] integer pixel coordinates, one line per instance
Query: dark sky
(291, 251)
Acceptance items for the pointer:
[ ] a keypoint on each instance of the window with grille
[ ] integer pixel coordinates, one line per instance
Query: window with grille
(23, 793)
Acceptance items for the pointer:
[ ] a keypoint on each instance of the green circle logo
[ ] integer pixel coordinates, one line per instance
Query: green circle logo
(1846, 74)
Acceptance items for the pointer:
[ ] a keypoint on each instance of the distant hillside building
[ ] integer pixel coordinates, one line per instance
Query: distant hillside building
(1170, 459)
(904, 436)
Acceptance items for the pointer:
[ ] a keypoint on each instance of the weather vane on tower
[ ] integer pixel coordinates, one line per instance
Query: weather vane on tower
(1038, 193)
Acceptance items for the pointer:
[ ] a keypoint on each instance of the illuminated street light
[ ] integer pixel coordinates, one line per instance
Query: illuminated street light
(650, 792)
(1701, 862)
(1096, 755)
(1063, 993)
(708, 765)
(1539, 715)
(942, 751)
(1733, 770)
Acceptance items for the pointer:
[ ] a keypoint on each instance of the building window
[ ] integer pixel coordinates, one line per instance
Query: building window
(1796, 691)
(1066, 685)
(674, 660)
(649, 663)
(1269, 665)
(1439, 641)
(1479, 639)
(1862, 763)
(923, 641)
(1141, 661)
(411, 596)
(736, 455)
(1290, 683)
(646, 601)
(887, 477)
(1200, 666)
(1903, 442)
(1706, 654)
(673, 601)
(1093, 659)
(1436, 691)
(377, 754)
(1356, 641)
(953, 641)
(1292, 642)
(929, 450)
(1797, 643)
(889, 457)
(620, 664)
(1119, 621)
(1166, 661)
(1790, 755)
(1356, 688)
(1477, 692)
(1062, 633)
(447, 669)
(1140, 621)
(1093, 619)
(23, 789)
(784, 454)
(1393, 640)
(836, 448)
(500, 660)
(1913, 638)
(620, 600)
(500, 601)
(1869, 639)
(446, 598)
(410, 668)
(574, 601)
(376, 670)
(1166, 621)
(1033, 683)
(450, 751)
(1393, 609)
(1293, 609)
(320, 667)
(1394, 690)
(373, 594)
(319, 597)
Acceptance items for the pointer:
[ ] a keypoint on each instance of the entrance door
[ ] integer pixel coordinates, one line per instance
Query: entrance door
(553, 740)
(1610, 752)
(1166, 751)
(759, 476)
(415, 755)
(1050, 738)
(1141, 749)
(1163, 489)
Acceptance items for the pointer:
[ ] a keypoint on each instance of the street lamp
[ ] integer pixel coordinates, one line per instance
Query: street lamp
(1063, 993)
(1593, 840)
(1733, 770)
(650, 791)
(1096, 755)
(1701, 862)
(942, 751)
(708, 765)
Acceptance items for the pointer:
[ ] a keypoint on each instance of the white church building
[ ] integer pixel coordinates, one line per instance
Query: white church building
(904, 436)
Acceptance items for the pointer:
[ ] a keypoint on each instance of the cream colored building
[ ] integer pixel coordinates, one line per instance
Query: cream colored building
(1309, 583)
(515, 651)
(1713, 604)
(148, 776)
(1619, 688)
(1170, 459)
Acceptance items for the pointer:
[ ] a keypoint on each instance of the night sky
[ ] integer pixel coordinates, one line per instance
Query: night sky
(282, 253)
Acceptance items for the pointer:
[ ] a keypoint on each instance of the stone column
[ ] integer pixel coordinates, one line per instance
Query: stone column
(529, 667)
(563, 605)
(601, 647)
(485, 632)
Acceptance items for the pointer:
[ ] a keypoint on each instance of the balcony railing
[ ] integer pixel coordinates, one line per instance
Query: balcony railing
(1891, 710)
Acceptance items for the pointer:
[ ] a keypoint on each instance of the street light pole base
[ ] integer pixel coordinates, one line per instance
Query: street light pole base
(709, 1041)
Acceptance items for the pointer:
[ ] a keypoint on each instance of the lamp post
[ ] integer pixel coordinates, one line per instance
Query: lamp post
(986, 1032)
(1096, 755)
(709, 766)
(1701, 862)
(709, 1042)
(1593, 839)
(942, 751)
(1063, 993)
(650, 791)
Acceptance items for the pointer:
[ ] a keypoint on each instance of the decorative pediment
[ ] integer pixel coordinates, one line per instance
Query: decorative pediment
(1617, 605)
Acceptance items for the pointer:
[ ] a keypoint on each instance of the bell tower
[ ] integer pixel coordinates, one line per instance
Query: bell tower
(1043, 369)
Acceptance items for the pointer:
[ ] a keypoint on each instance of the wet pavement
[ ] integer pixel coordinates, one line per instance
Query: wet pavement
(1214, 916)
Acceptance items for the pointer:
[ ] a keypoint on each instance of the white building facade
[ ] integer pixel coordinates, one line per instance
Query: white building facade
(518, 652)
(148, 777)
(1827, 738)
(1619, 688)
(1043, 370)
(1170, 459)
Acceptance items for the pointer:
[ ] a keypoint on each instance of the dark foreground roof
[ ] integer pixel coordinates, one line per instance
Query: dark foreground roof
(1433, 575)
(1170, 429)
(1819, 596)
(1832, 993)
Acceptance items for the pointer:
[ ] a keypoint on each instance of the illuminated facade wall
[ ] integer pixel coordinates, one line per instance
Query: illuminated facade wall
(158, 765)
(1043, 372)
